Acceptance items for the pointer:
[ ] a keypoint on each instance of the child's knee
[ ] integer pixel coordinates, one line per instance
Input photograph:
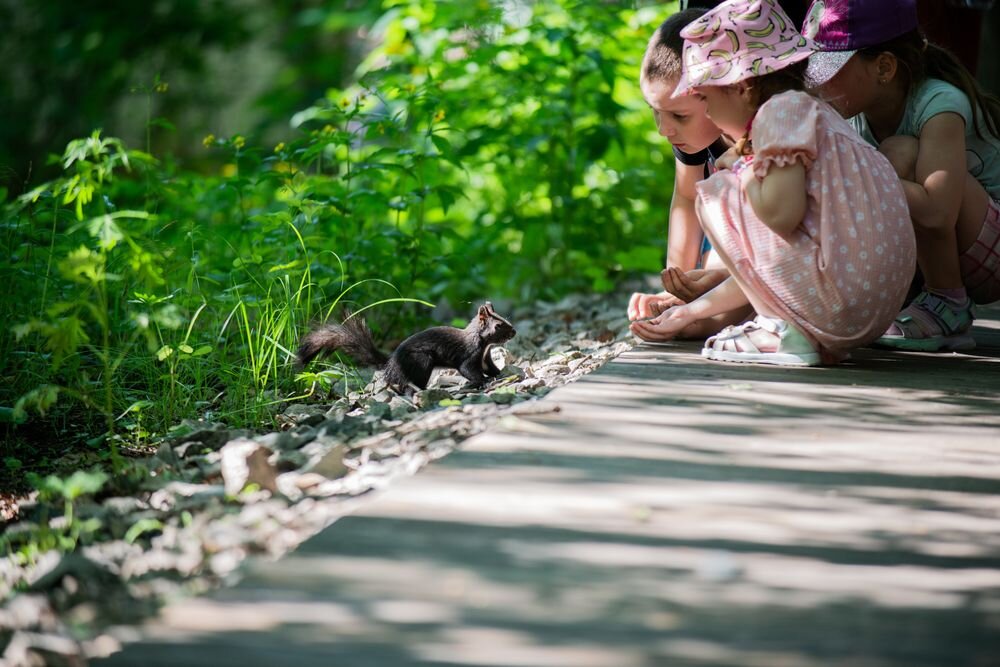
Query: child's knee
(902, 154)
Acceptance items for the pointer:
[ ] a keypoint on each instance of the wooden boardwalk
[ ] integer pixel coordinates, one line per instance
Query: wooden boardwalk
(672, 512)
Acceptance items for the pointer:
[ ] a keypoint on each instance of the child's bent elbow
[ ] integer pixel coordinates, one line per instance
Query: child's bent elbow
(783, 226)
(782, 219)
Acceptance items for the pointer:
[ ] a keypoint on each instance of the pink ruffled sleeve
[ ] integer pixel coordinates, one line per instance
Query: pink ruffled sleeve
(784, 132)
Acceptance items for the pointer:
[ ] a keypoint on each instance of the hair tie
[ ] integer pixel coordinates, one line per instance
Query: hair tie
(743, 145)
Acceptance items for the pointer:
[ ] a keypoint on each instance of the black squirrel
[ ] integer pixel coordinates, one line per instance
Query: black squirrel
(467, 350)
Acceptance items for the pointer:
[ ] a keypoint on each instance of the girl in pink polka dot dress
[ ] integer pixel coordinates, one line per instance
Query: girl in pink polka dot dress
(810, 220)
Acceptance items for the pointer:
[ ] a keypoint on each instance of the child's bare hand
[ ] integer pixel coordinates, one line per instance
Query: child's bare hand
(727, 159)
(643, 306)
(665, 327)
(689, 285)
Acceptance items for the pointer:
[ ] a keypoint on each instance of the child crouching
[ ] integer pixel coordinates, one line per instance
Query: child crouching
(810, 220)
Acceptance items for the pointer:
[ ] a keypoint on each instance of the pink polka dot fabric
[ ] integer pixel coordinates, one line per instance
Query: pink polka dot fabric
(841, 276)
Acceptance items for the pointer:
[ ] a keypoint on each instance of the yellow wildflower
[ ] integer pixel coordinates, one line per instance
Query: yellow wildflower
(328, 129)
(208, 141)
(162, 87)
(239, 142)
(439, 116)
(229, 170)
(344, 102)
(280, 147)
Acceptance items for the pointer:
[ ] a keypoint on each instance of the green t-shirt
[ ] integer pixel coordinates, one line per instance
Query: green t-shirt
(932, 97)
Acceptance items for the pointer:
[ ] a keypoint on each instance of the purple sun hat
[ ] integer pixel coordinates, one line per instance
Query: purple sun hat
(738, 40)
(842, 27)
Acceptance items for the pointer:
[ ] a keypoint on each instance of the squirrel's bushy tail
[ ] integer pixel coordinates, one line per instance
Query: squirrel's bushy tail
(353, 338)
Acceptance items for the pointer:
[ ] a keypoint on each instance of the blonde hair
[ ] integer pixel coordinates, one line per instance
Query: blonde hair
(766, 86)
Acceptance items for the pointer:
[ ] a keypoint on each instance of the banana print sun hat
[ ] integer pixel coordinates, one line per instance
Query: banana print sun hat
(738, 40)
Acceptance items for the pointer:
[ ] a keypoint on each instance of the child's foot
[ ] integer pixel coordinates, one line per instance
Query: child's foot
(763, 340)
(931, 323)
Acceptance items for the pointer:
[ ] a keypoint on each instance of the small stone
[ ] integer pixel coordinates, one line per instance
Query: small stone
(532, 383)
(166, 499)
(308, 415)
(165, 452)
(383, 396)
(400, 407)
(184, 449)
(276, 441)
(213, 435)
(429, 398)
(309, 480)
(502, 397)
(295, 438)
(246, 462)
(123, 505)
(225, 562)
(332, 465)
(511, 370)
(605, 336)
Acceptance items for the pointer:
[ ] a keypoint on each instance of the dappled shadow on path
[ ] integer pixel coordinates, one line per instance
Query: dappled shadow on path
(383, 591)
(879, 391)
(730, 516)
(558, 559)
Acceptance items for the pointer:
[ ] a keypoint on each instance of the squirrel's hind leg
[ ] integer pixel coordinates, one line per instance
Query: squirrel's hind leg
(410, 368)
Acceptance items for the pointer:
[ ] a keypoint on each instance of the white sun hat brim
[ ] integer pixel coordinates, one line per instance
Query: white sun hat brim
(824, 65)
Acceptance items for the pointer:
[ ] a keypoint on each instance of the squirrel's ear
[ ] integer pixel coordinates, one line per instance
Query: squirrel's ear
(489, 307)
(484, 313)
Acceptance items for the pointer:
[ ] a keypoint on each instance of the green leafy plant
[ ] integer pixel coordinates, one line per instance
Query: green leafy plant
(77, 328)
(536, 110)
(63, 533)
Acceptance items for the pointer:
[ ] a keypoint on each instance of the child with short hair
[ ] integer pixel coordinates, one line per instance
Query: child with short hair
(810, 220)
(692, 268)
(941, 131)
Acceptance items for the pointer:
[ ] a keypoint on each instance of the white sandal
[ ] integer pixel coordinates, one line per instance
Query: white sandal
(733, 344)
